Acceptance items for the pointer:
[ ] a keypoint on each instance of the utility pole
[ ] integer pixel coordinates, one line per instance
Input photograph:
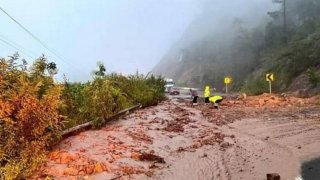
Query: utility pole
(285, 22)
(276, 14)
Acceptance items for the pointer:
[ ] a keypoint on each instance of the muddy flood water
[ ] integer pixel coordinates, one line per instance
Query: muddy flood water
(175, 140)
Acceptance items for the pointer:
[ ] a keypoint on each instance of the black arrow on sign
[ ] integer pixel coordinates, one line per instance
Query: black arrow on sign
(269, 77)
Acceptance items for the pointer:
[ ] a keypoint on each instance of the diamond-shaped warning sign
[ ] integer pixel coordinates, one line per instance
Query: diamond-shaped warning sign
(269, 77)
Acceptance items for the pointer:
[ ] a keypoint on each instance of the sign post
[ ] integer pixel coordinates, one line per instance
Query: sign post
(270, 87)
(226, 88)
(270, 78)
(227, 80)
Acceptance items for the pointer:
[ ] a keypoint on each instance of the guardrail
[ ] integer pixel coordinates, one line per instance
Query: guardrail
(88, 125)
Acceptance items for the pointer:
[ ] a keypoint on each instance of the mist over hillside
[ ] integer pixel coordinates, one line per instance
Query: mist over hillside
(240, 38)
(210, 36)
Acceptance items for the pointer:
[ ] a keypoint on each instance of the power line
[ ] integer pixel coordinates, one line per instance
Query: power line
(35, 37)
(18, 45)
(13, 46)
(29, 32)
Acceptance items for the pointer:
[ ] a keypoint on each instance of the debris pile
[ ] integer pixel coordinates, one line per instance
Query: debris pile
(147, 157)
(102, 151)
(140, 135)
(177, 125)
(76, 164)
(221, 118)
(129, 170)
(174, 126)
(208, 138)
(272, 101)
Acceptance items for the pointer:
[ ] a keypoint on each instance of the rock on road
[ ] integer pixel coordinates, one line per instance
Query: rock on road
(241, 140)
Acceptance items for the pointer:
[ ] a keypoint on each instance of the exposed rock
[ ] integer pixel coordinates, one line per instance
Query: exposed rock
(71, 171)
(128, 170)
(225, 145)
(135, 156)
(273, 176)
(139, 135)
(151, 157)
(62, 157)
(99, 168)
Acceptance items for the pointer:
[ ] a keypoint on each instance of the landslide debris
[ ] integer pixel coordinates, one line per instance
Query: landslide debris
(235, 109)
(147, 157)
(206, 137)
(182, 118)
(140, 135)
(151, 157)
(271, 101)
(76, 164)
(139, 144)
(174, 126)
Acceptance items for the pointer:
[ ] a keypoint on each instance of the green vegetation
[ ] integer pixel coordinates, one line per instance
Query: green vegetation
(106, 95)
(34, 108)
(314, 77)
(300, 56)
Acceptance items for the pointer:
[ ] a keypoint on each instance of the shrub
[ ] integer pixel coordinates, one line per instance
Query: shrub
(314, 78)
(29, 120)
(139, 89)
(32, 106)
(102, 100)
(255, 87)
(72, 98)
(106, 95)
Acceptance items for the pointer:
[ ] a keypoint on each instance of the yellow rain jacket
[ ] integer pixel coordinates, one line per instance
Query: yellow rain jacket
(207, 91)
(214, 99)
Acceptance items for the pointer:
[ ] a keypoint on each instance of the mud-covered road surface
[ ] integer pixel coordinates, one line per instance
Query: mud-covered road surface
(242, 140)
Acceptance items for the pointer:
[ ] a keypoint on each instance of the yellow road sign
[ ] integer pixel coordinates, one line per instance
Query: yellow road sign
(227, 80)
(269, 77)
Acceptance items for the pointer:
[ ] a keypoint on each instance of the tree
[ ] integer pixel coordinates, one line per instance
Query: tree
(101, 70)
(39, 66)
(52, 68)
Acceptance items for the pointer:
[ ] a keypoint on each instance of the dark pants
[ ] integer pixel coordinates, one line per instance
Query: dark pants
(216, 104)
(206, 100)
(195, 99)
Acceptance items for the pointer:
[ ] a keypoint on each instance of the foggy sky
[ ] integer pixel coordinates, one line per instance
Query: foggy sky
(127, 35)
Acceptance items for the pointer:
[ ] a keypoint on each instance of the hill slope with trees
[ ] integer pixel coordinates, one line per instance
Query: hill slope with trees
(283, 39)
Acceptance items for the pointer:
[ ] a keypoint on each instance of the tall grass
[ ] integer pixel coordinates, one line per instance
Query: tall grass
(104, 96)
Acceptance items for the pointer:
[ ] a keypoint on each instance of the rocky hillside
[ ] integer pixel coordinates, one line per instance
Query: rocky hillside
(246, 44)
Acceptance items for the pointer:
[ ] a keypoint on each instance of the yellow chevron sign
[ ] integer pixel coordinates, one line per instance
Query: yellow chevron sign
(269, 77)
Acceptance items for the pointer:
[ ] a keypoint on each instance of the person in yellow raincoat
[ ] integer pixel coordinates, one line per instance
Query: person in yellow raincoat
(206, 94)
(215, 100)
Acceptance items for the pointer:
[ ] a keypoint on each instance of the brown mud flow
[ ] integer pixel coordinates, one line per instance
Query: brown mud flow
(244, 139)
